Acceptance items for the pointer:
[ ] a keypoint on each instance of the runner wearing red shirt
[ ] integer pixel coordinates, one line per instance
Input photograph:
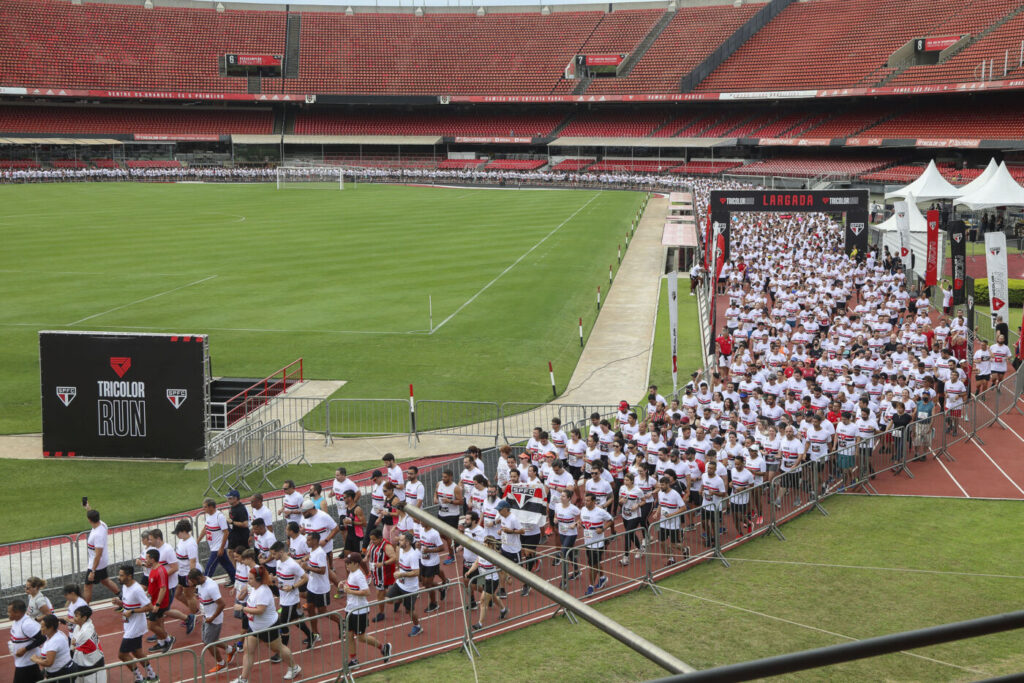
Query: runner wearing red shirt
(724, 354)
(160, 596)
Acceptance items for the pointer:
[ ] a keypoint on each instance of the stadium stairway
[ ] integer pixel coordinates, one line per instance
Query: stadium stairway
(293, 32)
(636, 55)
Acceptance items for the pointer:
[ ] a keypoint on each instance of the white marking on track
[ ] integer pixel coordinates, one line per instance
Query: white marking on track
(514, 264)
(879, 569)
(946, 470)
(139, 301)
(996, 465)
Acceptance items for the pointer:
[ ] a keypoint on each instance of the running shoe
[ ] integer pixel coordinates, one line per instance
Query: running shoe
(169, 644)
(216, 668)
(557, 562)
(275, 659)
(385, 651)
(443, 590)
(190, 624)
(432, 607)
(156, 647)
(379, 617)
(625, 560)
(601, 582)
(151, 639)
(477, 626)
(353, 663)
(503, 613)
(450, 560)
(230, 656)
(525, 591)
(671, 561)
(416, 630)
(293, 672)
(590, 590)
(240, 680)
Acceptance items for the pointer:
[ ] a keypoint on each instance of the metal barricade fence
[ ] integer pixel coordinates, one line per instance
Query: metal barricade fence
(54, 558)
(519, 419)
(282, 447)
(240, 460)
(225, 455)
(669, 549)
(793, 492)
(462, 418)
(367, 417)
(578, 416)
(177, 666)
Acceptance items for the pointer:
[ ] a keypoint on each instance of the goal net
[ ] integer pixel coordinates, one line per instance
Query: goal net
(310, 177)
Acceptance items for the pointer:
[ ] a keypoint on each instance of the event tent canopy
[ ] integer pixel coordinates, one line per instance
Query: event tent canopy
(1000, 190)
(918, 223)
(980, 181)
(929, 185)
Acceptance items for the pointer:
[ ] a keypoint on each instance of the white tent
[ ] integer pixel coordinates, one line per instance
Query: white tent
(929, 185)
(890, 237)
(980, 181)
(1000, 190)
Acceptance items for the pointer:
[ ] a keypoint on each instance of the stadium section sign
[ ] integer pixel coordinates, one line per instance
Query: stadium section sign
(108, 394)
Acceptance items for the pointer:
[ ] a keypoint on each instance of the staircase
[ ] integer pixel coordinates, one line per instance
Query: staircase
(637, 54)
(291, 46)
(560, 127)
(254, 87)
(734, 42)
(973, 39)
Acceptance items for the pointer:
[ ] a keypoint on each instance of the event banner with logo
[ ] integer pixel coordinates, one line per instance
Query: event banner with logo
(998, 284)
(931, 268)
(903, 228)
(107, 394)
(958, 252)
(673, 324)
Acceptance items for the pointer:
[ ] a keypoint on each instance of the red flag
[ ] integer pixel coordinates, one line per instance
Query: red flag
(931, 270)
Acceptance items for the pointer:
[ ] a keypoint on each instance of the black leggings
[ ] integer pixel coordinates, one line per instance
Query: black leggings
(290, 613)
(633, 538)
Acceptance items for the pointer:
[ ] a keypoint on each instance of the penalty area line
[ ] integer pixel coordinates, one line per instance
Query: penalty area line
(139, 301)
(514, 263)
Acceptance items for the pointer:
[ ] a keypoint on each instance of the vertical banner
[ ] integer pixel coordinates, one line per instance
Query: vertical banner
(998, 284)
(673, 325)
(903, 227)
(958, 251)
(856, 241)
(713, 281)
(707, 242)
(931, 268)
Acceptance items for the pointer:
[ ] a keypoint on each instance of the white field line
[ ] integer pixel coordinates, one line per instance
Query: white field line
(514, 264)
(879, 569)
(220, 329)
(139, 301)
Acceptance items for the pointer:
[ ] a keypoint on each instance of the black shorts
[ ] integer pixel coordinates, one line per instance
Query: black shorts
(985, 377)
(30, 673)
(406, 599)
(450, 520)
(670, 535)
(738, 508)
(157, 615)
(99, 575)
(531, 542)
(353, 543)
(129, 645)
(271, 635)
(514, 557)
(575, 472)
(695, 498)
(491, 586)
(594, 557)
(428, 571)
(470, 575)
(318, 599)
(357, 623)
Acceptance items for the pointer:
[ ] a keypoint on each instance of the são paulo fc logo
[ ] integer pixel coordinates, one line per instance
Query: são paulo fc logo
(177, 397)
(67, 395)
(995, 251)
(957, 237)
(856, 228)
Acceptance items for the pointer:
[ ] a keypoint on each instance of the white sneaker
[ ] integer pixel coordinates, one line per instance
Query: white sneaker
(240, 680)
(292, 672)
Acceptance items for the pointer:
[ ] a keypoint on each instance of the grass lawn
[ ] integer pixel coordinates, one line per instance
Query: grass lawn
(169, 488)
(978, 248)
(981, 321)
(340, 278)
(763, 606)
(689, 356)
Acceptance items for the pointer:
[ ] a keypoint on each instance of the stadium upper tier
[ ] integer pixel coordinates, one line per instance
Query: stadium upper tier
(820, 44)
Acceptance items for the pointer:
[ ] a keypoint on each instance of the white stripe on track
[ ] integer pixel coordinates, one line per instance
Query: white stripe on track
(996, 465)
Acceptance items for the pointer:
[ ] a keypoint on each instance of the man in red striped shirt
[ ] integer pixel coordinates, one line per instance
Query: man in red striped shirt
(160, 597)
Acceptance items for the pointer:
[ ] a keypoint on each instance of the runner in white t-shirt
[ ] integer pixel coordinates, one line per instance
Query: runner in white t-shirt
(357, 591)
(595, 521)
(98, 556)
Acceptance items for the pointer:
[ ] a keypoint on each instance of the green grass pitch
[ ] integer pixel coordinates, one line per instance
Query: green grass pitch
(340, 278)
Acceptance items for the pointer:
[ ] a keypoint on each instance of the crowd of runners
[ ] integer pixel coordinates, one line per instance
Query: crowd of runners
(823, 361)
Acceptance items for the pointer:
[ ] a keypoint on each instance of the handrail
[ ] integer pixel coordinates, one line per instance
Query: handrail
(243, 396)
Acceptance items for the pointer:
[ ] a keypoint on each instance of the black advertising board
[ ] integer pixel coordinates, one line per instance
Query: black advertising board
(120, 395)
(958, 252)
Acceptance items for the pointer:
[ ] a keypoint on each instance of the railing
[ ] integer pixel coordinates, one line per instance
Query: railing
(259, 393)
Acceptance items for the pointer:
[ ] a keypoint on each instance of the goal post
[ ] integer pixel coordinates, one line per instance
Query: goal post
(310, 177)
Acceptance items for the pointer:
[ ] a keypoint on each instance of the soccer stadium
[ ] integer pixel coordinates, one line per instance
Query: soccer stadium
(485, 342)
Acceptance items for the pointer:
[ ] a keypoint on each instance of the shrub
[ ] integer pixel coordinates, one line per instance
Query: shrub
(1016, 288)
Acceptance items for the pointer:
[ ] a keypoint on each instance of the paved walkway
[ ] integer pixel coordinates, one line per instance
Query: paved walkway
(612, 367)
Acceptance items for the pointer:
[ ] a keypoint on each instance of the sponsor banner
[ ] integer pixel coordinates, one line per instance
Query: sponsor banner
(998, 284)
(947, 142)
(12, 91)
(863, 142)
(903, 228)
(540, 99)
(254, 60)
(175, 137)
(673, 325)
(769, 95)
(794, 142)
(958, 254)
(777, 200)
(162, 95)
(604, 60)
(494, 140)
(935, 44)
(931, 268)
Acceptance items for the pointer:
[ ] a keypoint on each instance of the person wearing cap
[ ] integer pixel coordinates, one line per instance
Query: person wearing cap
(622, 415)
(395, 475)
(407, 580)
(238, 521)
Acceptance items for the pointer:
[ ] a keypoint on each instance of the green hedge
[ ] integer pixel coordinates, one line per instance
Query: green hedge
(1016, 288)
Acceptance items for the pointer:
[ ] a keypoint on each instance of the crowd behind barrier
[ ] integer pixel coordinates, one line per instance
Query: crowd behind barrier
(861, 378)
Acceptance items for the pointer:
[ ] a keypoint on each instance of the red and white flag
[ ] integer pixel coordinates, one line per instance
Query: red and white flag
(527, 502)
(931, 269)
(998, 284)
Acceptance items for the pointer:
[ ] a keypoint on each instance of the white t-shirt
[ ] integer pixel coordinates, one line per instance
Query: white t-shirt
(565, 517)
(415, 493)
(397, 477)
(634, 498)
(446, 500)
(167, 558)
(263, 542)
(557, 483)
(208, 594)
(600, 488)
(670, 504)
(408, 560)
(746, 478)
(22, 633)
(711, 488)
(134, 597)
(216, 525)
(261, 595)
(318, 583)
(98, 542)
(356, 604)
(339, 488)
(322, 523)
(510, 543)
(592, 522)
(430, 539)
(59, 645)
(186, 551)
(574, 452)
(293, 506)
(288, 574)
(298, 549)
